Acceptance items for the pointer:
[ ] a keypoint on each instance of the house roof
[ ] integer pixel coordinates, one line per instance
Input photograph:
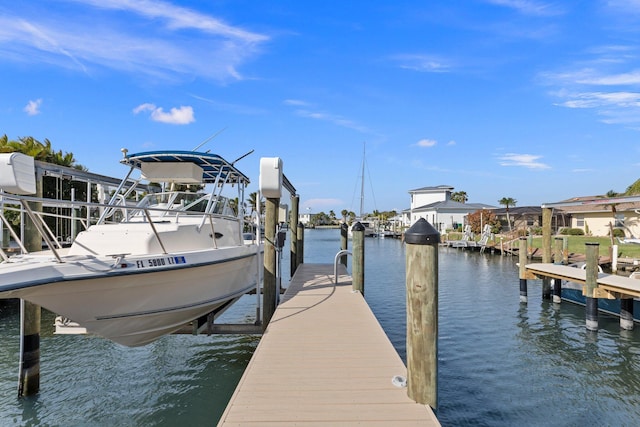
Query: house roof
(450, 205)
(596, 204)
(437, 188)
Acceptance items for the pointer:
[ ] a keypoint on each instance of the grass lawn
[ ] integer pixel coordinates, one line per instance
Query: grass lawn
(576, 245)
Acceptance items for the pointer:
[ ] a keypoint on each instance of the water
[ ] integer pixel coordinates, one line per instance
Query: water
(501, 363)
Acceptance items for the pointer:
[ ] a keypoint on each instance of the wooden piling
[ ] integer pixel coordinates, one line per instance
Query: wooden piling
(546, 250)
(293, 232)
(626, 314)
(522, 259)
(358, 257)
(30, 314)
(300, 247)
(269, 282)
(591, 284)
(422, 312)
(344, 239)
(557, 259)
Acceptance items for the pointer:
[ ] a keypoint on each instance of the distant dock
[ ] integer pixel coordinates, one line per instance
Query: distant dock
(324, 359)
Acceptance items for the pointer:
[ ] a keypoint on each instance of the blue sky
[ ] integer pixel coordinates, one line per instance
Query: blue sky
(530, 99)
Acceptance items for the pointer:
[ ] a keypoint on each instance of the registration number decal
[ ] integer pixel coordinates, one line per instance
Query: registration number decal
(160, 262)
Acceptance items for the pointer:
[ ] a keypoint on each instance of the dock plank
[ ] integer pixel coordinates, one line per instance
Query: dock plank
(323, 360)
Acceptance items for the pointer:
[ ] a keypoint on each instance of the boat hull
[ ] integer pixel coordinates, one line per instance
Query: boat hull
(141, 298)
(572, 292)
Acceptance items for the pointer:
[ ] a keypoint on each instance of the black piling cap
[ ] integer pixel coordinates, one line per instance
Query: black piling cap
(357, 227)
(422, 233)
(344, 228)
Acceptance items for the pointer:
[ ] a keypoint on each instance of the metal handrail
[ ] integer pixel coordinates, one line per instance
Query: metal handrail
(335, 264)
(49, 238)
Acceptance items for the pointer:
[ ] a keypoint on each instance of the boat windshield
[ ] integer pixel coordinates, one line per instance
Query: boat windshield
(186, 202)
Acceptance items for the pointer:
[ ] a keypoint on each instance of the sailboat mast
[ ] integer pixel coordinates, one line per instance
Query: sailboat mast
(362, 184)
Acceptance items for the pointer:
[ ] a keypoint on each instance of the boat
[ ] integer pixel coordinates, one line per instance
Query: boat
(146, 268)
(573, 292)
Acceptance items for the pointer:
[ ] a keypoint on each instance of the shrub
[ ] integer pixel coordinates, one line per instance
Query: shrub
(618, 232)
(567, 231)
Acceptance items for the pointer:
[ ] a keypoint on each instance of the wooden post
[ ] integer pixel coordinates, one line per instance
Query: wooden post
(358, 257)
(591, 283)
(557, 259)
(300, 248)
(344, 239)
(30, 314)
(522, 258)
(293, 228)
(269, 282)
(422, 312)
(565, 250)
(546, 250)
(626, 314)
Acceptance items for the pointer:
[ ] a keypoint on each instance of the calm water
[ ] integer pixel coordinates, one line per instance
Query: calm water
(501, 363)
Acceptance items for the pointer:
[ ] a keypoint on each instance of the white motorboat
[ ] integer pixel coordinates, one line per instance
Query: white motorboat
(173, 257)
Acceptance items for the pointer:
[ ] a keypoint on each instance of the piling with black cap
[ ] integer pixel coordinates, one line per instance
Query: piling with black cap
(422, 312)
(591, 284)
(522, 259)
(344, 239)
(358, 257)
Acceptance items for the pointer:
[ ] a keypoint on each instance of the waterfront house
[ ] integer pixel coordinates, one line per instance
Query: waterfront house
(530, 217)
(593, 214)
(435, 205)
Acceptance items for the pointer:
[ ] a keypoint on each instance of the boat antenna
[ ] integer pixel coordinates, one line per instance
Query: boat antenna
(210, 138)
(242, 157)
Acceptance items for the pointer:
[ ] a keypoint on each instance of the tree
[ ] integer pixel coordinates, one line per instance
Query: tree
(39, 150)
(344, 214)
(633, 189)
(459, 196)
(478, 219)
(506, 202)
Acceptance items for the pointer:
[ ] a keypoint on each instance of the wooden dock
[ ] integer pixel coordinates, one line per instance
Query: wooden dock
(324, 360)
(610, 286)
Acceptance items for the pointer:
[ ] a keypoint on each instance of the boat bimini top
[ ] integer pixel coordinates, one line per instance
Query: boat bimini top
(185, 167)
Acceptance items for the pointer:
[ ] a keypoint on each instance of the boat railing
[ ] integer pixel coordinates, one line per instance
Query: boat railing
(124, 212)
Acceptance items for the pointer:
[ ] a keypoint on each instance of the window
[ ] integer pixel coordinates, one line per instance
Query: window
(580, 220)
(619, 220)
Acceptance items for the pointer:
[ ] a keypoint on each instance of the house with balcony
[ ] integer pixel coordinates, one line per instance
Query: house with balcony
(435, 205)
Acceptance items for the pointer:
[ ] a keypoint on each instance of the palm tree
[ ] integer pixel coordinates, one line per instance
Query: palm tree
(344, 213)
(459, 196)
(506, 202)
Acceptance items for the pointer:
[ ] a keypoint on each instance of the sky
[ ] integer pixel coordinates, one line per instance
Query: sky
(534, 100)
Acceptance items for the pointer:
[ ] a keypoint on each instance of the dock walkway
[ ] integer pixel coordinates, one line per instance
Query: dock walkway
(323, 360)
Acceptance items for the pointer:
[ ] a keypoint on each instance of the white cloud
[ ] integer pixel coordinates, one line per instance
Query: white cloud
(423, 63)
(296, 102)
(33, 107)
(426, 143)
(332, 118)
(524, 160)
(529, 7)
(182, 115)
(138, 37)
